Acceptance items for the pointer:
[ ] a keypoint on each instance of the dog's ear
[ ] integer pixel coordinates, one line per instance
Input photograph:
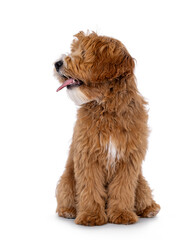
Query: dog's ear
(113, 61)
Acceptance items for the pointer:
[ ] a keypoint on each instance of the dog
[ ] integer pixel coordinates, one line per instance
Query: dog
(103, 180)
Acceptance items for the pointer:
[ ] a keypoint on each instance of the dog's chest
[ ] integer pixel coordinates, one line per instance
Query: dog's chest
(112, 154)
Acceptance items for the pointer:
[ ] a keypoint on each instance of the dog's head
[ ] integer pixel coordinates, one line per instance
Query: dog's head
(94, 69)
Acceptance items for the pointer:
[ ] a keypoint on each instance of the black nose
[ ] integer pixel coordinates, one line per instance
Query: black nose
(58, 65)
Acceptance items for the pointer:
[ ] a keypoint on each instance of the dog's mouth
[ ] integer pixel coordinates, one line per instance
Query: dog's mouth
(69, 83)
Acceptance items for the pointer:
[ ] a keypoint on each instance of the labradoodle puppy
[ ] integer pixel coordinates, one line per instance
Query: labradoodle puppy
(103, 179)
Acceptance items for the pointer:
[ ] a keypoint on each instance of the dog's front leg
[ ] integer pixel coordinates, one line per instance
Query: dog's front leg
(90, 195)
(121, 194)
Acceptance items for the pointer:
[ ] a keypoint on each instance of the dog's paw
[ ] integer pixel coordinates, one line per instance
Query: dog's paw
(91, 219)
(150, 211)
(67, 212)
(122, 217)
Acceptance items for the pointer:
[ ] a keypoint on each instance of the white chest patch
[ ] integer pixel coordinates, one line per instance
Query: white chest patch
(112, 154)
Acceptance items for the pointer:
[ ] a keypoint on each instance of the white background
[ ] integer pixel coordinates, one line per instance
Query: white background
(36, 123)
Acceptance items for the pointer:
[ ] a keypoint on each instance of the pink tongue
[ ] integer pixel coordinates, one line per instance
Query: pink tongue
(66, 83)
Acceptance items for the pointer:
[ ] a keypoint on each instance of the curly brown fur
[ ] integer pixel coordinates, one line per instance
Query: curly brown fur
(103, 180)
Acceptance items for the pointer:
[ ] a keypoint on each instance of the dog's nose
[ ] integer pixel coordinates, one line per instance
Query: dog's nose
(58, 65)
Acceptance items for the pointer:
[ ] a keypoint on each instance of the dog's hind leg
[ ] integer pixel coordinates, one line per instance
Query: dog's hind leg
(145, 206)
(65, 192)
